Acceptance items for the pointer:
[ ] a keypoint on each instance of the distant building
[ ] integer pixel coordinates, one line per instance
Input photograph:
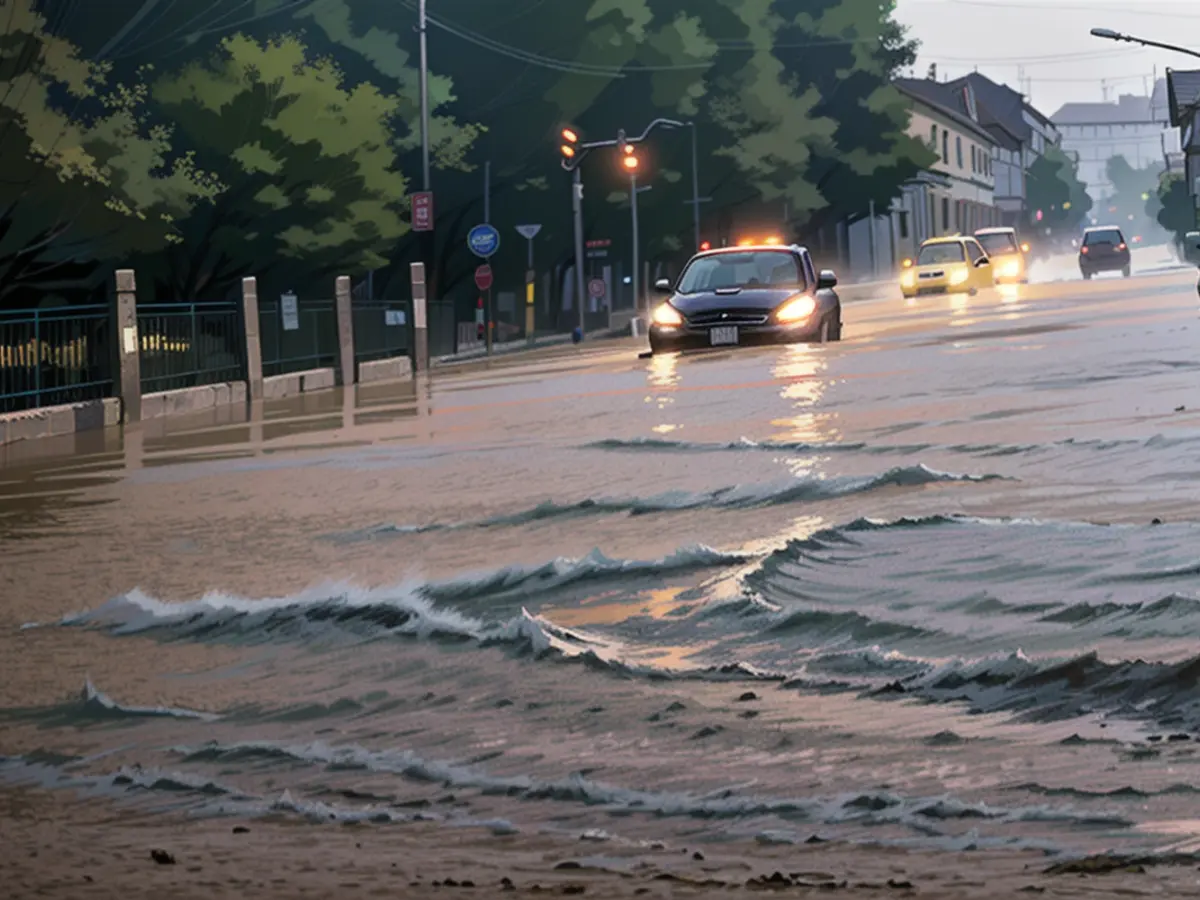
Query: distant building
(1137, 128)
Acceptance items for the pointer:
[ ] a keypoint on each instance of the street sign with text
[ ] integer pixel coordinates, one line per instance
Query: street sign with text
(484, 240)
(529, 232)
(422, 211)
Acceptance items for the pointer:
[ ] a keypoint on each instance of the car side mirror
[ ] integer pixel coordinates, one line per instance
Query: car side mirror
(980, 263)
(663, 285)
(827, 280)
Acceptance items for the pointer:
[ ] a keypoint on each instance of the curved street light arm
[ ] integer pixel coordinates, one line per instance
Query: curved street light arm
(1110, 35)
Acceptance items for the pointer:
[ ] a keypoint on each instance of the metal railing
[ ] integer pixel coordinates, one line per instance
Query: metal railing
(190, 344)
(381, 329)
(298, 338)
(55, 355)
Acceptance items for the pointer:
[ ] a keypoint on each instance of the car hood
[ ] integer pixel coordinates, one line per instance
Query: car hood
(765, 299)
(938, 267)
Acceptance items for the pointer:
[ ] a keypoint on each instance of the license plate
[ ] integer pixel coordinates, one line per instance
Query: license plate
(723, 335)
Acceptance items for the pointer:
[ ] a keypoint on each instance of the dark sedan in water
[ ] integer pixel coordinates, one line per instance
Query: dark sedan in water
(765, 294)
(1104, 250)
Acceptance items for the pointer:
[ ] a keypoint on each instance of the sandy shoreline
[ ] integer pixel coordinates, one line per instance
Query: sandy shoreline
(58, 846)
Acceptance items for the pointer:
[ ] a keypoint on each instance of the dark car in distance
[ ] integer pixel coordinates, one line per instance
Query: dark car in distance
(746, 295)
(1104, 249)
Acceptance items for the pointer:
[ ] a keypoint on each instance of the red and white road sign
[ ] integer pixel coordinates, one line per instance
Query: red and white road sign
(483, 277)
(422, 211)
(597, 288)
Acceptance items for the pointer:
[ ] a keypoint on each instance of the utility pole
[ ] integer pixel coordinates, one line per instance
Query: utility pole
(424, 84)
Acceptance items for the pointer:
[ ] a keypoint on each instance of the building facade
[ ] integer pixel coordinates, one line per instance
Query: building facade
(1137, 128)
(958, 192)
(1022, 134)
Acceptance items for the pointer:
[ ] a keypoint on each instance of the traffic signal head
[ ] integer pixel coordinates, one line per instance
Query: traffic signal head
(570, 143)
(630, 161)
(705, 245)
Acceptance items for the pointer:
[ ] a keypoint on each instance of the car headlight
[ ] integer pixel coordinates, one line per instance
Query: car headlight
(959, 276)
(667, 316)
(797, 309)
(908, 279)
(1010, 269)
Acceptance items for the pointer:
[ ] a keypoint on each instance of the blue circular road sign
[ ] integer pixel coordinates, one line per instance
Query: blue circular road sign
(484, 240)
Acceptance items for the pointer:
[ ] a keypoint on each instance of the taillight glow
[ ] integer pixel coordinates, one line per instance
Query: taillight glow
(1083, 250)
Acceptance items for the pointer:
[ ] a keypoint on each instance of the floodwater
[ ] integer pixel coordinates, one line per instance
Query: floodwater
(937, 585)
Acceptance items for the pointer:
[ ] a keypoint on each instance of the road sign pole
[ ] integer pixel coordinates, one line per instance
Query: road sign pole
(530, 278)
(491, 325)
(529, 263)
(577, 205)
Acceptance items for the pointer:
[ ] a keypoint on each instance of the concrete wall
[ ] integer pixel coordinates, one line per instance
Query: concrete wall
(53, 421)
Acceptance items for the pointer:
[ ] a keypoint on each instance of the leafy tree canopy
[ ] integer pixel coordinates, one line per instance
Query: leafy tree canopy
(1054, 188)
(84, 178)
(308, 167)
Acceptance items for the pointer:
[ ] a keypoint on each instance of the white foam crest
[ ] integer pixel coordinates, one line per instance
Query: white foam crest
(97, 699)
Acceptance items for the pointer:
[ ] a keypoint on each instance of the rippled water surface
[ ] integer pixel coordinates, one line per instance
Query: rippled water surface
(935, 585)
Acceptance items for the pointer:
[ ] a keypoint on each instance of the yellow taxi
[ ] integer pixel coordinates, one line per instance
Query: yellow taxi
(952, 264)
(1008, 255)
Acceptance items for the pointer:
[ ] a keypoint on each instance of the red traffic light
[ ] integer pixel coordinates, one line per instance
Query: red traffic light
(705, 245)
(570, 136)
(631, 162)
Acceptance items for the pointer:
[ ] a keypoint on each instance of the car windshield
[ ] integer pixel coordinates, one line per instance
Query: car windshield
(1108, 236)
(752, 268)
(939, 254)
(999, 244)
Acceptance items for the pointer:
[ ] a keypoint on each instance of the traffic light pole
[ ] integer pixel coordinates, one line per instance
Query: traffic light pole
(574, 154)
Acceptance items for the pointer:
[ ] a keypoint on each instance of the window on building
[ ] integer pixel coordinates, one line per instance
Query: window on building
(945, 214)
(946, 146)
(902, 223)
(933, 136)
(958, 151)
(974, 167)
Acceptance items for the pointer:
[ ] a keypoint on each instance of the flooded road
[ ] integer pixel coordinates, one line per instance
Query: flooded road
(936, 585)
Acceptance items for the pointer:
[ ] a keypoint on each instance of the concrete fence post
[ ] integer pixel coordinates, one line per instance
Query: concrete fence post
(345, 328)
(420, 359)
(253, 336)
(129, 362)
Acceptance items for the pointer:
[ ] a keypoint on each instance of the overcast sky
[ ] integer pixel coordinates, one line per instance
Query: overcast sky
(1048, 41)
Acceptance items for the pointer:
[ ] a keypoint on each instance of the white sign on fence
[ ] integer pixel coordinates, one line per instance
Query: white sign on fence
(395, 317)
(290, 310)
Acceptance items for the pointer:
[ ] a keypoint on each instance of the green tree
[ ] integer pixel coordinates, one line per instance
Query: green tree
(1132, 188)
(84, 181)
(308, 169)
(1173, 207)
(849, 51)
(1053, 187)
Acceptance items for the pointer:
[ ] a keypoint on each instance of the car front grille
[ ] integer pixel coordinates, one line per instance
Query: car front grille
(938, 274)
(727, 317)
